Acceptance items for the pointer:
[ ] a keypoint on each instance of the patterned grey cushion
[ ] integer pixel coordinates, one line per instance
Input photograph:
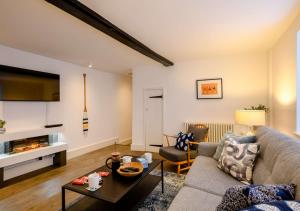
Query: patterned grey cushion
(220, 147)
(232, 137)
(238, 160)
(239, 197)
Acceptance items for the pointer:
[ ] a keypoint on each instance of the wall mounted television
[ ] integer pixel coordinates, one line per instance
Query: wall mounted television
(18, 84)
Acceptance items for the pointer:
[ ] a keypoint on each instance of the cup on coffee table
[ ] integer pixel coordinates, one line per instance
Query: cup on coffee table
(148, 157)
(93, 181)
(126, 159)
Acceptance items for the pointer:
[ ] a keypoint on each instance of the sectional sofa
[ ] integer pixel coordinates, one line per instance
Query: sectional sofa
(205, 184)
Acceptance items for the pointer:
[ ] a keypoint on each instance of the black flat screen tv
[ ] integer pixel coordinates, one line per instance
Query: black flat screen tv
(18, 84)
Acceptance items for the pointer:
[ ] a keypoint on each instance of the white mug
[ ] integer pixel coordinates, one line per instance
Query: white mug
(93, 180)
(148, 157)
(126, 159)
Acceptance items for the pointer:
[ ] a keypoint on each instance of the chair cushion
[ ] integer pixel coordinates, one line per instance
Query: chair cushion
(205, 175)
(172, 154)
(199, 134)
(193, 199)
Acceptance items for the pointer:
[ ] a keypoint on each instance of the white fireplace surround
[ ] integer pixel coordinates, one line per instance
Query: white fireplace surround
(11, 135)
(20, 163)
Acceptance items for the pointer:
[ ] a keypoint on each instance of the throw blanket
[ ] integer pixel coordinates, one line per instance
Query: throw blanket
(275, 206)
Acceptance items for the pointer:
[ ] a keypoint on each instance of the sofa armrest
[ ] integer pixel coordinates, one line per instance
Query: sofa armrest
(207, 149)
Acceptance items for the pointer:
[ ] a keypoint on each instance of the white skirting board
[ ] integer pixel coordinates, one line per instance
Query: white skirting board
(92, 147)
(124, 140)
(27, 166)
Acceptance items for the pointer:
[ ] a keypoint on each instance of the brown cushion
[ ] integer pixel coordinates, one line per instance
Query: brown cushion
(175, 155)
(199, 134)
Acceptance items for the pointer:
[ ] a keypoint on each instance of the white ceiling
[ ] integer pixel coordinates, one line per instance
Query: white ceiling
(178, 30)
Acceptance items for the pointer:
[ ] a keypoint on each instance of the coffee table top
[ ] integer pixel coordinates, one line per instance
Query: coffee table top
(114, 186)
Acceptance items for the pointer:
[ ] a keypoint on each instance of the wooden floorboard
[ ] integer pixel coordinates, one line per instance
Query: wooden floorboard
(43, 192)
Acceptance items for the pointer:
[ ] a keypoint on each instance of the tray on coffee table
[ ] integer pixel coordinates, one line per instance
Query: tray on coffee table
(117, 192)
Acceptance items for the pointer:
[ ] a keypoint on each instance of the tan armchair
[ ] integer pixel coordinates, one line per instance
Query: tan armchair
(178, 157)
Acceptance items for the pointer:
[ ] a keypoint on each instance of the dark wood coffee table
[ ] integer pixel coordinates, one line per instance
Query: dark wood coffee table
(117, 192)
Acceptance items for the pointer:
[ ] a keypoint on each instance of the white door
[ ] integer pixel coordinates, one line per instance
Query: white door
(153, 119)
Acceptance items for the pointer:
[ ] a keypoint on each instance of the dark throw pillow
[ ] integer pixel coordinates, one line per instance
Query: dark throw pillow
(275, 206)
(199, 135)
(182, 141)
(257, 194)
(246, 139)
(233, 199)
(240, 197)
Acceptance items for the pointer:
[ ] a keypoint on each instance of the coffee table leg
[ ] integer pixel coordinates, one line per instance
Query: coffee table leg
(63, 202)
(162, 176)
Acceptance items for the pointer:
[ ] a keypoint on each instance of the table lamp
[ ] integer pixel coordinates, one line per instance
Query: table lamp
(250, 118)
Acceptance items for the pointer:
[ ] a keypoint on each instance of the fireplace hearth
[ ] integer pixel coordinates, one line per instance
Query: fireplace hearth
(27, 144)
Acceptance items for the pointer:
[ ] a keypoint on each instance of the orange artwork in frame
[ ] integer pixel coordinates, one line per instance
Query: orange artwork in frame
(209, 88)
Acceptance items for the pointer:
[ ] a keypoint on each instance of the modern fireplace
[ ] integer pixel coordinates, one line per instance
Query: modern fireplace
(24, 154)
(27, 144)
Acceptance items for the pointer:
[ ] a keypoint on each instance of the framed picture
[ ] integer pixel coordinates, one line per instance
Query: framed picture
(209, 88)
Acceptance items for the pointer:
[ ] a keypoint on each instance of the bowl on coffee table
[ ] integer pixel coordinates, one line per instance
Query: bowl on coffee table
(131, 169)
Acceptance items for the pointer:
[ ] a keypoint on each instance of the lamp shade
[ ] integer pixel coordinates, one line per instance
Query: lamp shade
(250, 117)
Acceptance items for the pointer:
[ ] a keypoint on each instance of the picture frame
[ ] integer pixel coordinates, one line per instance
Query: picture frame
(209, 88)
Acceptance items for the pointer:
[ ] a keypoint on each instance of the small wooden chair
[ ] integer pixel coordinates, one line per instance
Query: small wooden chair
(178, 157)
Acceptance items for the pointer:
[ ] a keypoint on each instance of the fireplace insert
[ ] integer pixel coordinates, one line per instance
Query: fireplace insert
(27, 144)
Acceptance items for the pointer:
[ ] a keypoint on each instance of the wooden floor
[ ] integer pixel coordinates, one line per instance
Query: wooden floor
(42, 192)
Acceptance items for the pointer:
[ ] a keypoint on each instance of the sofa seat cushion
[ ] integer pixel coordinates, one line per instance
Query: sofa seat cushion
(205, 175)
(175, 155)
(193, 199)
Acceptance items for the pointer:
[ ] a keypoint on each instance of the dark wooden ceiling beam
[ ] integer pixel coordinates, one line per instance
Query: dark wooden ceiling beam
(82, 12)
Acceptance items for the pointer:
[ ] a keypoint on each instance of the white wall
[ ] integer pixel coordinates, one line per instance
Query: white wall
(107, 107)
(244, 84)
(125, 108)
(283, 69)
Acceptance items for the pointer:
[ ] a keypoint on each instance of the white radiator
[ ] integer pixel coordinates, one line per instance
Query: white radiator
(215, 130)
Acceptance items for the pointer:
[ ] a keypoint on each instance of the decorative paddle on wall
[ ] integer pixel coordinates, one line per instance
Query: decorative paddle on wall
(85, 120)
